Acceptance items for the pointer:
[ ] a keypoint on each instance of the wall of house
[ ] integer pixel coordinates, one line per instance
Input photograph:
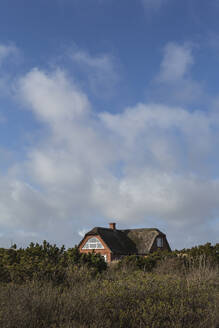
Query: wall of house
(104, 251)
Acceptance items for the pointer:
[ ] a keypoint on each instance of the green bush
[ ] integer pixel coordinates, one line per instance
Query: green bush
(44, 262)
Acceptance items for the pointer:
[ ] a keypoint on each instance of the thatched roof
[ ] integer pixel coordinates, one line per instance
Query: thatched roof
(131, 241)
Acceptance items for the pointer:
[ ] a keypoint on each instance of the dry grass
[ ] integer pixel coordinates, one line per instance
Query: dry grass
(128, 299)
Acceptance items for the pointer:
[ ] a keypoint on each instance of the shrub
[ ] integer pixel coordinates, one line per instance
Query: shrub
(46, 286)
(44, 262)
(133, 300)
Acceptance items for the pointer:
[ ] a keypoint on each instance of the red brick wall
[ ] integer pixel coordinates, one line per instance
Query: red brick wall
(106, 251)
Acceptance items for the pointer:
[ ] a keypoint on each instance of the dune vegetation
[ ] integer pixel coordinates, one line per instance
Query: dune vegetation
(44, 286)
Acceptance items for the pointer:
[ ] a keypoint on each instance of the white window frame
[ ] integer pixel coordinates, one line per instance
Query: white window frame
(93, 243)
(159, 242)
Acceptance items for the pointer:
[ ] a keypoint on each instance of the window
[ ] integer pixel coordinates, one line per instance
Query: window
(105, 257)
(159, 242)
(93, 243)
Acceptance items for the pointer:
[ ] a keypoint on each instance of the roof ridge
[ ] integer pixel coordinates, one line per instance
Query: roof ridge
(105, 228)
(123, 230)
(142, 229)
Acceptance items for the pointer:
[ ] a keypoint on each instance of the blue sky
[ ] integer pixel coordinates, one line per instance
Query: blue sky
(109, 110)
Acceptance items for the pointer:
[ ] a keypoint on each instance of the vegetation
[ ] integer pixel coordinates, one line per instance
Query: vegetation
(46, 286)
(44, 262)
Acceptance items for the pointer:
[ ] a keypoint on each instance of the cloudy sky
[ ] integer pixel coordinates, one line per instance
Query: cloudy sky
(109, 111)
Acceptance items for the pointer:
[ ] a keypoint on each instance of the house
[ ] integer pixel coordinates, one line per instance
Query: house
(113, 244)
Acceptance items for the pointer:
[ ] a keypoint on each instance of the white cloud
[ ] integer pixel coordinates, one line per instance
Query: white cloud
(139, 123)
(174, 83)
(51, 97)
(165, 174)
(100, 62)
(176, 62)
(21, 206)
(99, 71)
(148, 165)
